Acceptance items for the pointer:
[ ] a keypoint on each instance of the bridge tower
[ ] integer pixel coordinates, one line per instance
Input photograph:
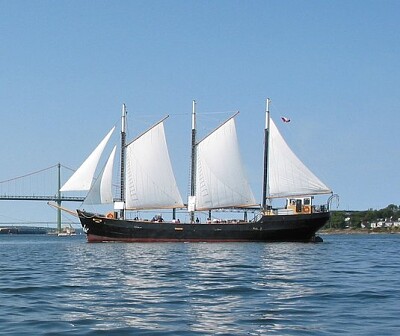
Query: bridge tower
(59, 199)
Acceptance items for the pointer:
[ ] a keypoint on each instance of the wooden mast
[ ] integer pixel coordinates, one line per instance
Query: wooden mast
(193, 162)
(123, 141)
(266, 143)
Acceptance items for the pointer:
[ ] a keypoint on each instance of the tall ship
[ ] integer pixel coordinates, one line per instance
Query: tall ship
(217, 183)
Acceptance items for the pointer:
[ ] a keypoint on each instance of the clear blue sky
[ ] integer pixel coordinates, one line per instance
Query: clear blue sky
(333, 67)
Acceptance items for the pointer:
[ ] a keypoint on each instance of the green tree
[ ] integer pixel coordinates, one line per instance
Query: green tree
(339, 218)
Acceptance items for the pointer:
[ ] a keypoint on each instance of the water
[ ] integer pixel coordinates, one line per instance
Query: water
(64, 286)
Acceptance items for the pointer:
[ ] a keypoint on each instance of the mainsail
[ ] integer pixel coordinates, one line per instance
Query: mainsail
(220, 177)
(287, 175)
(82, 179)
(150, 181)
(101, 191)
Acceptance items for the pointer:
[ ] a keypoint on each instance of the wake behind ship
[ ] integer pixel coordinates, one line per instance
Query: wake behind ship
(213, 186)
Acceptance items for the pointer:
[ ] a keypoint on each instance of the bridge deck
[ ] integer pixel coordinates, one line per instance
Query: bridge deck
(41, 198)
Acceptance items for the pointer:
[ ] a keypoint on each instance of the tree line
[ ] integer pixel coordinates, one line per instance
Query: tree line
(355, 219)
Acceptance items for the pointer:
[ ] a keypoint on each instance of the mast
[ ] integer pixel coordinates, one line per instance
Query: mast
(266, 143)
(123, 141)
(59, 199)
(193, 159)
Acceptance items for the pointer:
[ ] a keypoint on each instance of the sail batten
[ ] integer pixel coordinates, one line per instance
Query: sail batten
(82, 179)
(287, 174)
(220, 177)
(150, 180)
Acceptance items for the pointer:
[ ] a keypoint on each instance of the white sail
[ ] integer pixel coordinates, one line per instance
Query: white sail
(287, 175)
(83, 177)
(150, 181)
(101, 192)
(220, 177)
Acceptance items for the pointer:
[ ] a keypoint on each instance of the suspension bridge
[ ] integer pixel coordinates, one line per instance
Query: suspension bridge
(41, 185)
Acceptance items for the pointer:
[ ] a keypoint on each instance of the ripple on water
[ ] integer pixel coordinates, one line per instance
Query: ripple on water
(346, 285)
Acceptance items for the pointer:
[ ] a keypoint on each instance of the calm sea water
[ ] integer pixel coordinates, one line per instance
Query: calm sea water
(65, 286)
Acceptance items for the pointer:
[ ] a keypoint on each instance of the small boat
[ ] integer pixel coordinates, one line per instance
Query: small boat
(217, 182)
(67, 231)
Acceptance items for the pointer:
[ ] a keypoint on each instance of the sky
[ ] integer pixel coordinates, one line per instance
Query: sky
(333, 67)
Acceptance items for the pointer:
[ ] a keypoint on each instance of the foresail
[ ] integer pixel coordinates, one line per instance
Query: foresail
(287, 175)
(150, 182)
(220, 177)
(82, 179)
(101, 192)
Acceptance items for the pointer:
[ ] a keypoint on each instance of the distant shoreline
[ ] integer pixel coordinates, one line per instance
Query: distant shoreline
(359, 231)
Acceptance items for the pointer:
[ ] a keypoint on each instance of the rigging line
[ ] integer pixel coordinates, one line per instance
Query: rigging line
(56, 206)
(216, 112)
(213, 131)
(26, 175)
(148, 130)
(68, 168)
(202, 113)
(277, 110)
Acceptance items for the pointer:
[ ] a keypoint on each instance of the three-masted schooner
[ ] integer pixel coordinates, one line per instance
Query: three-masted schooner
(218, 181)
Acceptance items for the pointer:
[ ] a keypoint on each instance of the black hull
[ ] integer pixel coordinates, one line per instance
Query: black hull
(276, 228)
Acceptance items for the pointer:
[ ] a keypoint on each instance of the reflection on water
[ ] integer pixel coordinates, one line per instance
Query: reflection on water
(70, 286)
(215, 288)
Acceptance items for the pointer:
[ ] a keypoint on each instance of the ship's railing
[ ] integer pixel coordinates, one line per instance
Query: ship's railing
(290, 211)
(320, 208)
